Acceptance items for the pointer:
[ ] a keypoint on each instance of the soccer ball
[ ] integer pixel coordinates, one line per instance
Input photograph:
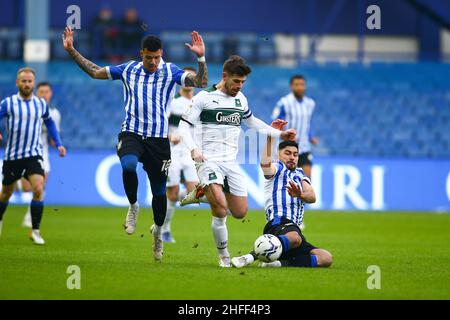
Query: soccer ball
(268, 248)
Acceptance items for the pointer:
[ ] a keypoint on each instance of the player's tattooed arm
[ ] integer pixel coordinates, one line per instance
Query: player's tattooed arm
(93, 70)
(199, 80)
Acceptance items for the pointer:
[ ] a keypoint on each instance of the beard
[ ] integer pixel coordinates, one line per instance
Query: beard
(25, 92)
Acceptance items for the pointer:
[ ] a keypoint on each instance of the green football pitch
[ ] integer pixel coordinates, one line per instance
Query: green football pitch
(410, 249)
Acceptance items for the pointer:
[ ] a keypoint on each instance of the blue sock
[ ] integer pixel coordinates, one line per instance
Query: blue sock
(3, 207)
(36, 209)
(285, 242)
(313, 261)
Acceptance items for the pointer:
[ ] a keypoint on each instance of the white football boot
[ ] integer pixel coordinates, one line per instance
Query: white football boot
(35, 235)
(158, 246)
(224, 262)
(131, 219)
(26, 223)
(193, 196)
(242, 261)
(273, 264)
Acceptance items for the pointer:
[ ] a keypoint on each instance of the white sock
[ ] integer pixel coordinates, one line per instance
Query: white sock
(169, 215)
(220, 233)
(157, 231)
(136, 204)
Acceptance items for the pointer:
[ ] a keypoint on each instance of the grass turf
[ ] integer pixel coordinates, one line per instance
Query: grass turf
(411, 249)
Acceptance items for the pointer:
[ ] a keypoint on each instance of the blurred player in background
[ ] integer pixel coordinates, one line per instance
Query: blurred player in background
(297, 109)
(149, 86)
(216, 115)
(286, 189)
(43, 90)
(24, 113)
(182, 164)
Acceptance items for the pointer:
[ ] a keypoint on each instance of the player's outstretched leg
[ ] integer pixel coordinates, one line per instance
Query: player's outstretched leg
(130, 183)
(197, 195)
(243, 261)
(37, 207)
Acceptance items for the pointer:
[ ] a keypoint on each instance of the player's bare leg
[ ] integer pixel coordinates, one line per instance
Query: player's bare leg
(37, 207)
(237, 205)
(5, 194)
(324, 258)
(218, 203)
(26, 187)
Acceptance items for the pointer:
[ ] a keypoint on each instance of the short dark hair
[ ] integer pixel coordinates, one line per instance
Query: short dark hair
(44, 84)
(190, 69)
(297, 77)
(284, 144)
(235, 65)
(151, 43)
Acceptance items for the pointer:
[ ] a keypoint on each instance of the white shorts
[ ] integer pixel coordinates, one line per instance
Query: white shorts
(178, 165)
(216, 172)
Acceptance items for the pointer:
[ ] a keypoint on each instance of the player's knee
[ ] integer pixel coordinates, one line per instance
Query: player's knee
(129, 163)
(38, 190)
(295, 241)
(239, 213)
(172, 195)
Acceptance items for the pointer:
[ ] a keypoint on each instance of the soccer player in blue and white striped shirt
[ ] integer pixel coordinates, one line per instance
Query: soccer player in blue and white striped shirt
(297, 109)
(24, 113)
(148, 86)
(286, 190)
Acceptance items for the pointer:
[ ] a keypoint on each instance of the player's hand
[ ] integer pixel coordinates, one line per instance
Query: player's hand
(67, 38)
(294, 189)
(288, 135)
(197, 46)
(62, 151)
(314, 140)
(175, 139)
(279, 124)
(197, 155)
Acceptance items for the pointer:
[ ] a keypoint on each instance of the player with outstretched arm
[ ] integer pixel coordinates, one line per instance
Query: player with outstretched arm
(286, 190)
(149, 87)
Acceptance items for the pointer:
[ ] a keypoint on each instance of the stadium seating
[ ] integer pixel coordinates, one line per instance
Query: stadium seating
(395, 110)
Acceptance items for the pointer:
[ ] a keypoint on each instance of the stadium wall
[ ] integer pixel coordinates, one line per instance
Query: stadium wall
(94, 179)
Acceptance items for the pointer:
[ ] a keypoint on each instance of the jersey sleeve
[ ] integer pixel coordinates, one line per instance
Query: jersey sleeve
(247, 112)
(178, 75)
(279, 111)
(115, 72)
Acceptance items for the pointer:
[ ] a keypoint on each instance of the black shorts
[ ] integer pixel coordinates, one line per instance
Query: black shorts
(281, 226)
(153, 153)
(305, 158)
(14, 170)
